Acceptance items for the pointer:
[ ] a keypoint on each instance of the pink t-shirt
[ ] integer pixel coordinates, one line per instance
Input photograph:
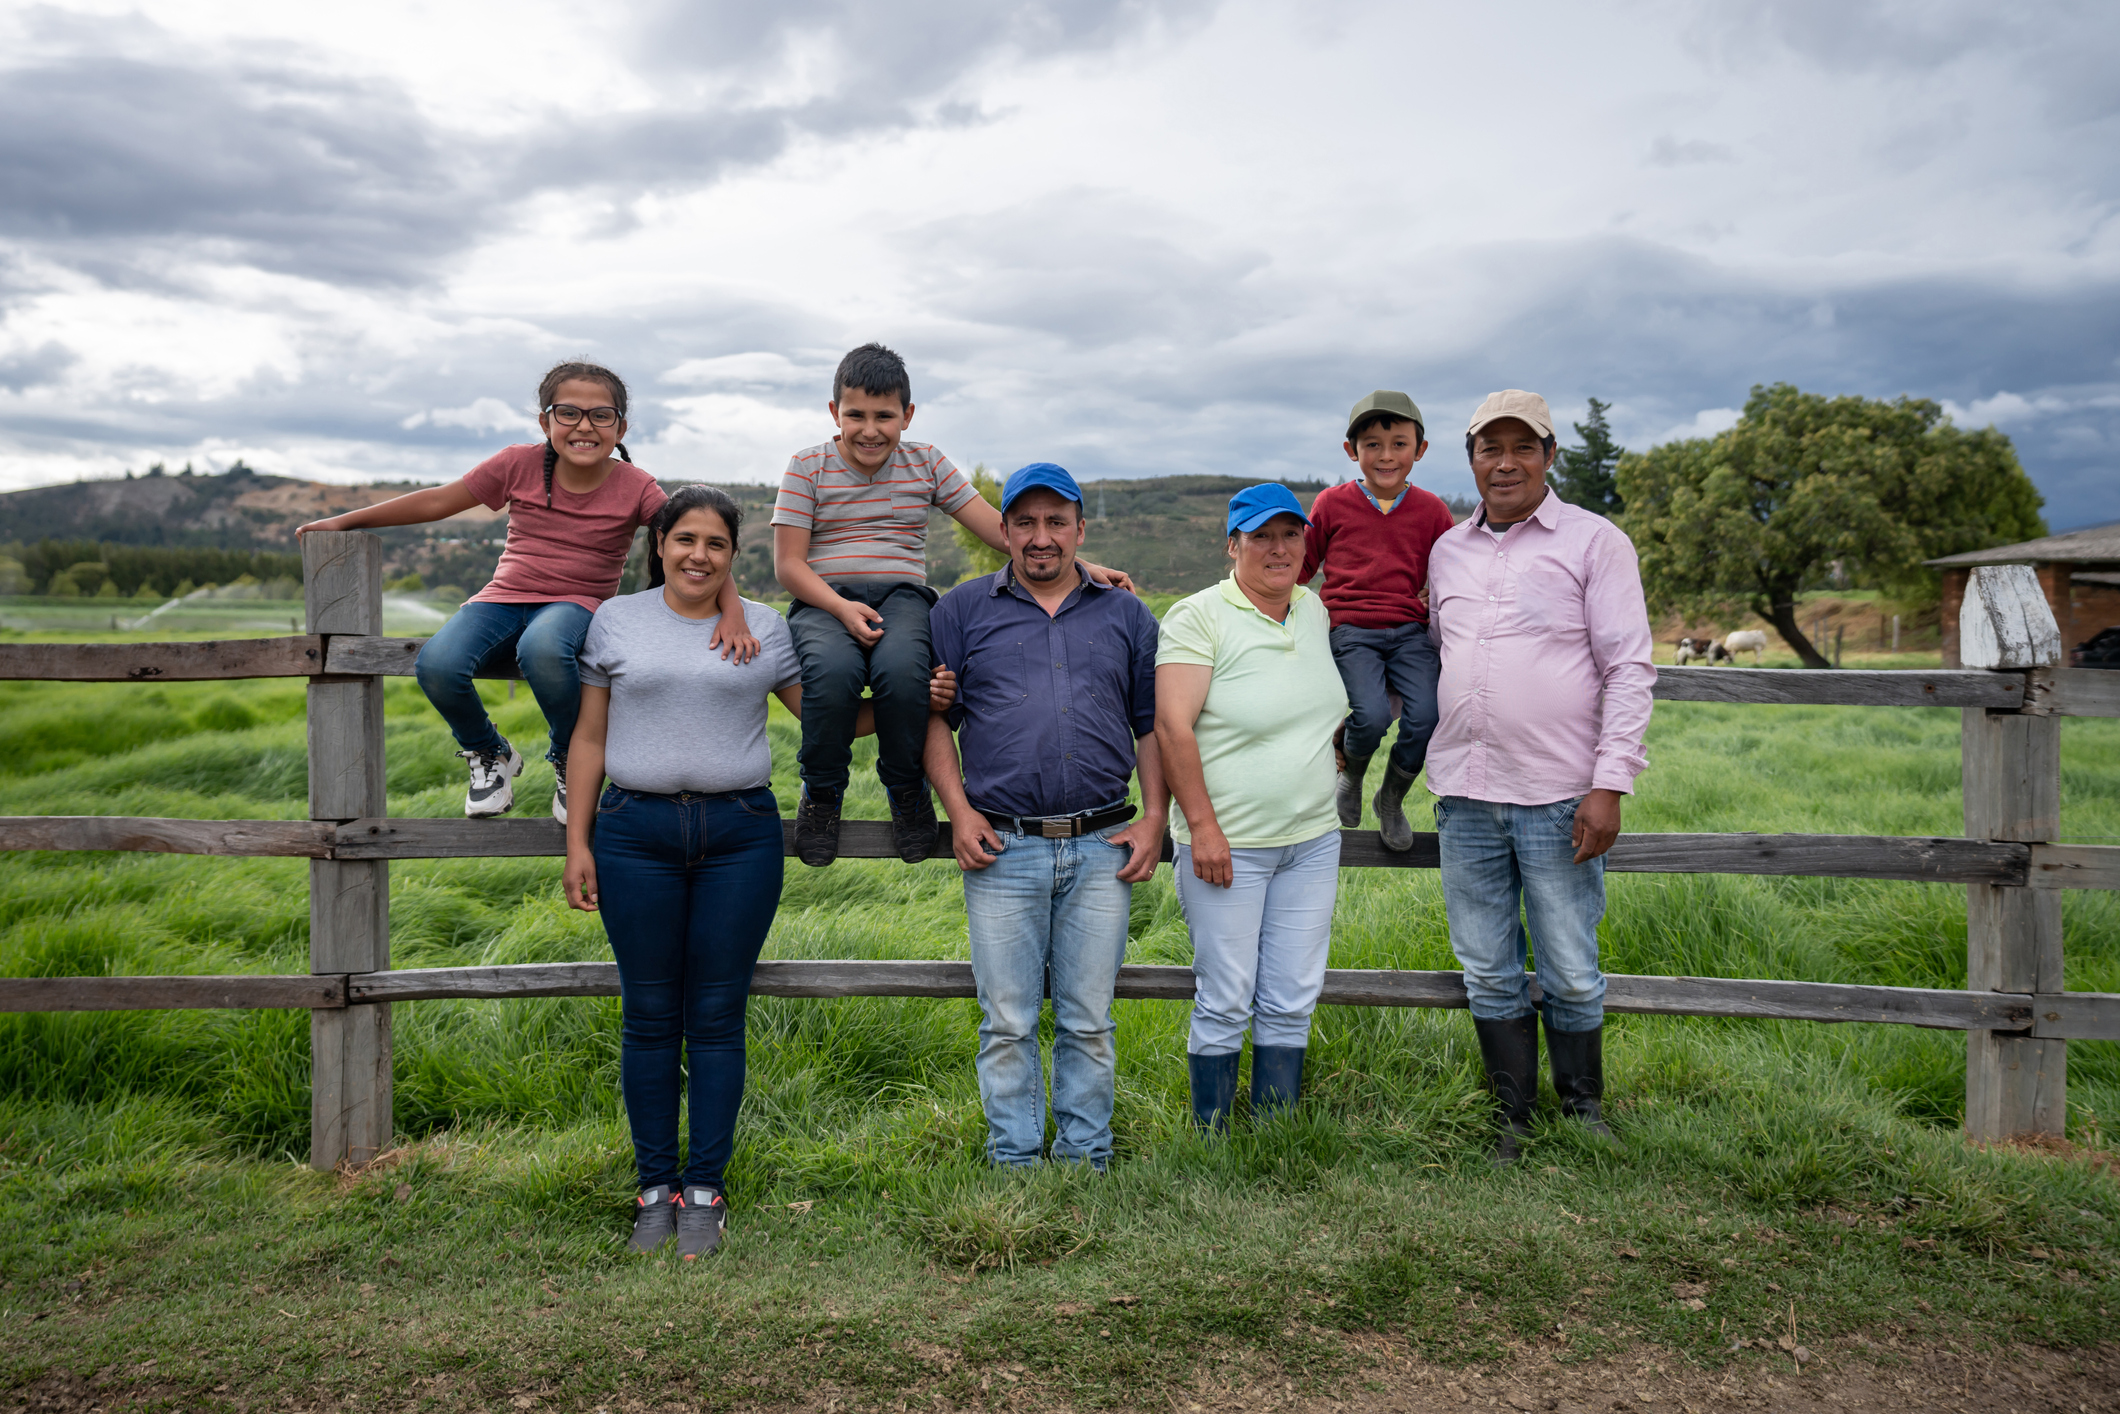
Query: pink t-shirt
(575, 549)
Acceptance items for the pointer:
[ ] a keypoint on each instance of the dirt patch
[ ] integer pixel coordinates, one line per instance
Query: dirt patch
(1853, 1373)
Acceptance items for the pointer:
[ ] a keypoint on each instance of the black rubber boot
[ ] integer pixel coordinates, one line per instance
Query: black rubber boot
(1509, 1054)
(1347, 791)
(1578, 1061)
(1214, 1090)
(817, 829)
(1276, 1080)
(1393, 831)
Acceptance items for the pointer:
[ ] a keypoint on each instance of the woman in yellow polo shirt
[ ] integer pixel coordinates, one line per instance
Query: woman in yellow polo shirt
(1246, 701)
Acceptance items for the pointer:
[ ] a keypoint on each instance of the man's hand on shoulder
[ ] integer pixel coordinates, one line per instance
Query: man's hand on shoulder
(1596, 824)
(973, 840)
(1104, 574)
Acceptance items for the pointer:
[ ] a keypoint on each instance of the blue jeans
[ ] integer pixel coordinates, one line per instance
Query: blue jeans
(1259, 946)
(1503, 866)
(687, 886)
(835, 669)
(1373, 664)
(546, 639)
(1057, 905)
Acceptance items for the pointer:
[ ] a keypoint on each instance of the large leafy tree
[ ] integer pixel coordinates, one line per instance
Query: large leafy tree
(1586, 474)
(1804, 485)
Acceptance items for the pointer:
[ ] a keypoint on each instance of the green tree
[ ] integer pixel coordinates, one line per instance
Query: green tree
(1586, 475)
(1748, 519)
(62, 586)
(108, 589)
(984, 557)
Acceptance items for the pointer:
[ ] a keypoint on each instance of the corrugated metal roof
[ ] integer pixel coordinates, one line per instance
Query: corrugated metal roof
(2097, 544)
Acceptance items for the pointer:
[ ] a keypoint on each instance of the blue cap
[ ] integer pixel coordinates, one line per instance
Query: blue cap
(1255, 505)
(1051, 477)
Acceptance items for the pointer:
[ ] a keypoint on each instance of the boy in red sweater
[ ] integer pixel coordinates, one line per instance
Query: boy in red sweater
(1372, 535)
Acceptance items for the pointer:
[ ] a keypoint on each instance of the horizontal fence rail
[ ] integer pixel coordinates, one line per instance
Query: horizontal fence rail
(2070, 1015)
(1937, 860)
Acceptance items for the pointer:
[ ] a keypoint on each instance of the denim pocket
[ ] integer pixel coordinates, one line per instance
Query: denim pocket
(1564, 812)
(1104, 836)
(613, 800)
(762, 803)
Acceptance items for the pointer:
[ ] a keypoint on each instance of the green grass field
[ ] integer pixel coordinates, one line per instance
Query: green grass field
(157, 1224)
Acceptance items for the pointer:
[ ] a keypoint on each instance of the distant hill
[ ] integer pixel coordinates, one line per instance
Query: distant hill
(1164, 531)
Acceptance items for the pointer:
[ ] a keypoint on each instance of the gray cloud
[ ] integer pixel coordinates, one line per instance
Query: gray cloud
(1668, 151)
(33, 368)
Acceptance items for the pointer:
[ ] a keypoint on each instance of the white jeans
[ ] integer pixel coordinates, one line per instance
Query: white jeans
(1260, 945)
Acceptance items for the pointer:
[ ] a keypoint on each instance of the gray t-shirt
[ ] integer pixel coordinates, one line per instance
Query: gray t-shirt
(682, 716)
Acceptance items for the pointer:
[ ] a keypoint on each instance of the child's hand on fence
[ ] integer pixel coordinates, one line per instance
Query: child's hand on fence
(942, 689)
(738, 642)
(580, 879)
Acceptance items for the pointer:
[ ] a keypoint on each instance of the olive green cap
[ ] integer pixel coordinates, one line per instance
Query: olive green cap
(1384, 401)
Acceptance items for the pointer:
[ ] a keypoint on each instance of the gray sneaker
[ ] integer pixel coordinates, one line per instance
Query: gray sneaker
(559, 791)
(702, 1213)
(492, 789)
(654, 1219)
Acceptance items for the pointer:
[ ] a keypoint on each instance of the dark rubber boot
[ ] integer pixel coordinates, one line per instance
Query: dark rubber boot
(817, 829)
(1214, 1090)
(1578, 1061)
(1347, 791)
(913, 826)
(1276, 1080)
(1393, 830)
(1509, 1054)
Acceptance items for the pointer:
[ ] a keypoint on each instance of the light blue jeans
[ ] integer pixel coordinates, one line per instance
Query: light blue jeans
(1260, 945)
(1506, 865)
(1055, 905)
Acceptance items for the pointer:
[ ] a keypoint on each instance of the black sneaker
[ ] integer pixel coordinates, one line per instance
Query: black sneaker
(913, 824)
(654, 1219)
(492, 789)
(701, 1215)
(559, 791)
(816, 830)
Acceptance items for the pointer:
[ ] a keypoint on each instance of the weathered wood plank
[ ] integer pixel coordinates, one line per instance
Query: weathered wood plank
(294, 657)
(1940, 1008)
(169, 993)
(2074, 692)
(393, 658)
(2077, 1016)
(2005, 622)
(342, 581)
(311, 838)
(346, 749)
(1843, 687)
(2075, 866)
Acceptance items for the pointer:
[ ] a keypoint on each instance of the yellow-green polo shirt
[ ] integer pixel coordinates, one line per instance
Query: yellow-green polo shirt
(1265, 732)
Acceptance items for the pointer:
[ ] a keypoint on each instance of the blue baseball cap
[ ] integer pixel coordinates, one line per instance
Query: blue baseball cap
(1255, 505)
(1046, 474)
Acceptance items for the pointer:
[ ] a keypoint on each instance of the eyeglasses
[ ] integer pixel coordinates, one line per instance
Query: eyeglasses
(566, 415)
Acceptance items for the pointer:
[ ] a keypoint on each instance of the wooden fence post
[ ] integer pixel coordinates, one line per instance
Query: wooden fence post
(2015, 1083)
(349, 901)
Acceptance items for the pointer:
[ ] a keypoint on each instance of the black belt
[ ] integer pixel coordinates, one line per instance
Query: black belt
(1060, 827)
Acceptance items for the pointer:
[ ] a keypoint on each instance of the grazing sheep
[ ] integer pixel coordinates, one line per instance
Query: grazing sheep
(1689, 649)
(1751, 638)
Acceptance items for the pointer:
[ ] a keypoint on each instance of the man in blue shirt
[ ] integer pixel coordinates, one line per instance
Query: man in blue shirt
(1056, 708)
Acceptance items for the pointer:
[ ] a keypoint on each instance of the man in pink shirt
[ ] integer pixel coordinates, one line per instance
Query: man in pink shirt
(1544, 697)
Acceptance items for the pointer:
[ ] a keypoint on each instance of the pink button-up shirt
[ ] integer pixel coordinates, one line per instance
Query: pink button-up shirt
(1545, 644)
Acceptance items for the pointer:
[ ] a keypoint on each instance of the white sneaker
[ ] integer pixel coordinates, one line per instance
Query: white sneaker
(559, 792)
(492, 791)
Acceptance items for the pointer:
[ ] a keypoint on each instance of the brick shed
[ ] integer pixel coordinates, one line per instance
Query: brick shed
(2079, 571)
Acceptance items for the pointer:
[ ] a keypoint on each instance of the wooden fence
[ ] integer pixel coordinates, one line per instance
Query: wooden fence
(2017, 1018)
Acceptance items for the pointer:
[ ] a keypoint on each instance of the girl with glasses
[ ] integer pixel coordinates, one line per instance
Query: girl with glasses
(573, 507)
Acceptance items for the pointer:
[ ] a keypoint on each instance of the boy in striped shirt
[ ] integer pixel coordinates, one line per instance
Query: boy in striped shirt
(850, 544)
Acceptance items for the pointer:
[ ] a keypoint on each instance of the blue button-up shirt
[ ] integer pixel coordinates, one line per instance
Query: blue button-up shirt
(1048, 706)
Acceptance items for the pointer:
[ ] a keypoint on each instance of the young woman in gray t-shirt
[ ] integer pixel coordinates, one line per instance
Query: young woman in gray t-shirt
(684, 865)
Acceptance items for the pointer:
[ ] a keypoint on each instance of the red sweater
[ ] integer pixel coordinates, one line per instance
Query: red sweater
(1375, 565)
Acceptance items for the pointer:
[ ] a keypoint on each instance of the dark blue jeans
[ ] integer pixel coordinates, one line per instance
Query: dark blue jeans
(835, 669)
(1374, 663)
(687, 886)
(546, 639)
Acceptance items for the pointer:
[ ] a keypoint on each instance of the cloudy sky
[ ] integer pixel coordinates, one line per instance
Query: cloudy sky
(1132, 236)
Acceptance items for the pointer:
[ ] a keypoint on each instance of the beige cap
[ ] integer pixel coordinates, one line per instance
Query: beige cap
(1516, 403)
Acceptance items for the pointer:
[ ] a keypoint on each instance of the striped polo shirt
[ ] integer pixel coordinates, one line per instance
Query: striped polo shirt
(869, 529)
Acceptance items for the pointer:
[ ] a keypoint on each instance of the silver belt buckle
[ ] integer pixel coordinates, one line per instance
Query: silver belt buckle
(1057, 829)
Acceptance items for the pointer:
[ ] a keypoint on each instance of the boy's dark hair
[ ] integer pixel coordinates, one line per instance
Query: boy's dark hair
(1371, 419)
(683, 501)
(548, 389)
(1546, 446)
(876, 371)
